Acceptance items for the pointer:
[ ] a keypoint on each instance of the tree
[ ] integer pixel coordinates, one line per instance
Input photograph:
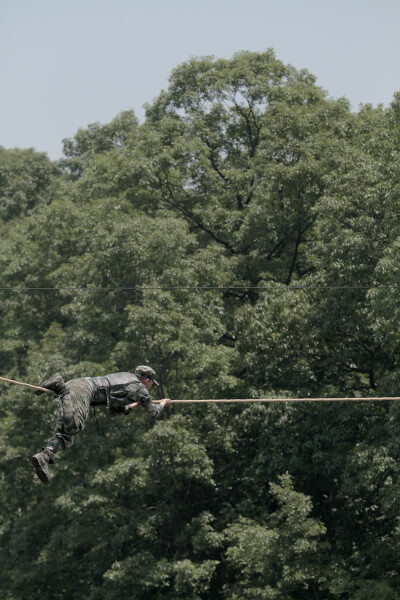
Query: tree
(98, 139)
(27, 179)
(278, 559)
(244, 174)
(240, 149)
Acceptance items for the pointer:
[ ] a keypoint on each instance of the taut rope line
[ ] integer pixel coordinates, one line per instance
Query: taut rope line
(226, 400)
(236, 400)
(33, 387)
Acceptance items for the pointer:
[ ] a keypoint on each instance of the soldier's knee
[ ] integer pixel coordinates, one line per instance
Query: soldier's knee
(72, 427)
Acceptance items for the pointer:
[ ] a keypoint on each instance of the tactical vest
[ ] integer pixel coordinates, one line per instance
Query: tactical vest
(112, 390)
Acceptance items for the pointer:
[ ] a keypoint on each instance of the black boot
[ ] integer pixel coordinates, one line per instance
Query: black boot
(41, 462)
(55, 384)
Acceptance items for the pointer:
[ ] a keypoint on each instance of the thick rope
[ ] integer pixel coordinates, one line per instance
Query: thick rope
(235, 400)
(230, 400)
(33, 387)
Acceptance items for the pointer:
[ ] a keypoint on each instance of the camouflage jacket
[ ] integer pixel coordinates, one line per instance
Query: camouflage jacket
(117, 390)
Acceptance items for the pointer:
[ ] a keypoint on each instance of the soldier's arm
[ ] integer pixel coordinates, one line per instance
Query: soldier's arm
(139, 394)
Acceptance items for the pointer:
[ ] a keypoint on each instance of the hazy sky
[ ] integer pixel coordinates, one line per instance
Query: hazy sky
(68, 63)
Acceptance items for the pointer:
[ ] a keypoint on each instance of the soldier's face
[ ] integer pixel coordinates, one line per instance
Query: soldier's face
(146, 382)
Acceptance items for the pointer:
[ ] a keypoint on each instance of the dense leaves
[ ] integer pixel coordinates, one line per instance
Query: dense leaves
(244, 241)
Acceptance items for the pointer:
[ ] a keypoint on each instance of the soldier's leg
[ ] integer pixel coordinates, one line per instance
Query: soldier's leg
(75, 406)
(55, 383)
(42, 460)
(73, 413)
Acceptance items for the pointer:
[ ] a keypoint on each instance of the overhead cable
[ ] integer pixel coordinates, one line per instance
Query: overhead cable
(280, 287)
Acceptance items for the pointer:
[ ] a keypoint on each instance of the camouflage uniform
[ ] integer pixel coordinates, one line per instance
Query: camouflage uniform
(116, 391)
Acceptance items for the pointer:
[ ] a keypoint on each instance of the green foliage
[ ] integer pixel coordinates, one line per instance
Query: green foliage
(246, 179)
(84, 152)
(280, 558)
(26, 180)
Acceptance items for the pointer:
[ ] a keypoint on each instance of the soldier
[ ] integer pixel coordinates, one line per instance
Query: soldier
(119, 391)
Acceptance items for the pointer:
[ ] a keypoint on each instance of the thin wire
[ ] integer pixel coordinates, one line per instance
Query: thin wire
(198, 288)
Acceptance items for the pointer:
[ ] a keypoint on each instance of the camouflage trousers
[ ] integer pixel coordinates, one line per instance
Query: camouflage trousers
(73, 412)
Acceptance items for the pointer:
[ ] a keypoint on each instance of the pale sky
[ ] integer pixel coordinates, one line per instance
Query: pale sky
(68, 63)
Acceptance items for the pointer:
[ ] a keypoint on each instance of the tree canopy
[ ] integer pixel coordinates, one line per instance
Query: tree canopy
(243, 240)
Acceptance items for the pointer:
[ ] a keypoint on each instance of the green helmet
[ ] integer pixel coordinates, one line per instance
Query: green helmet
(146, 372)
